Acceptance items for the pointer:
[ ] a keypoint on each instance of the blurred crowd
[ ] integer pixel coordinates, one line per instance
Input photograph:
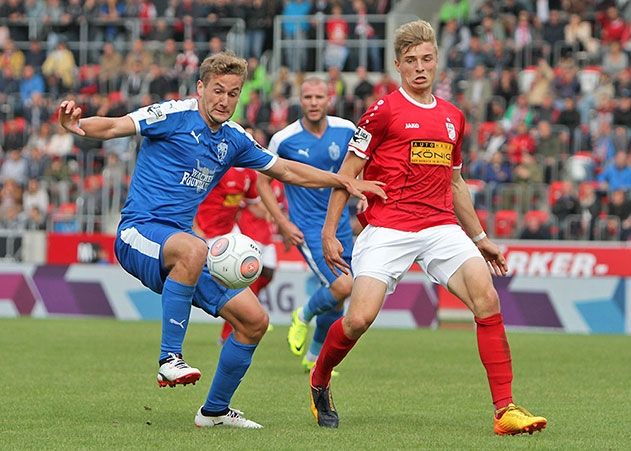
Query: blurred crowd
(546, 89)
(545, 86)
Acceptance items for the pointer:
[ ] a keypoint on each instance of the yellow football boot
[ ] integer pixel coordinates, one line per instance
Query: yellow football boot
(512, 420)
(297, 335)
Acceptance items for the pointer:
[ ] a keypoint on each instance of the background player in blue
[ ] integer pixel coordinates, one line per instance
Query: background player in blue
(188, 146)
(319, 141)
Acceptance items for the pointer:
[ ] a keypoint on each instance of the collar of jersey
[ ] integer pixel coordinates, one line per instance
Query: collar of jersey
(427, 106)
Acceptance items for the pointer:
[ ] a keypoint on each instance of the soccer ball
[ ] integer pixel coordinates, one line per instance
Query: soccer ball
(234, 260)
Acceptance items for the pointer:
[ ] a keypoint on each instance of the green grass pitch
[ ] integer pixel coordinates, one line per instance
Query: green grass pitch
(87, 384)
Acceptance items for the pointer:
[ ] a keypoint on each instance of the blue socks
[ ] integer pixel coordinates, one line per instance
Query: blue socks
(323, 323)
(176, 311)
(234, 361)
(321, 301)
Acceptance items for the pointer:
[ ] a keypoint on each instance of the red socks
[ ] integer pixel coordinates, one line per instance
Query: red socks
(225, 331)
(495, 355)
(492, 345)
(259, 284)
(335, 347)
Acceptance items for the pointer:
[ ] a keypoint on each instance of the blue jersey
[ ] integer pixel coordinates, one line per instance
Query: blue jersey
(307, 206)
(180, 160)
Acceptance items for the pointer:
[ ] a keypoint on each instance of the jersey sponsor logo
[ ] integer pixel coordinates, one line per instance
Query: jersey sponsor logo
(222, 151)
(412, 125)
(451, 130)
(361, 139)
(334, 151)
(304, 152)
(431, 152)
(233, 200)
(196, 136)
(199, 178)
(155, 114)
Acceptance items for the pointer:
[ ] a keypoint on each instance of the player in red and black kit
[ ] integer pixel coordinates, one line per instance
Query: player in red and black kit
(411, 140)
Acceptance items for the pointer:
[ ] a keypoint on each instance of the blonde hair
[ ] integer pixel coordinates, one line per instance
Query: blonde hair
(312, 80)
(223, 63)
(412, 34)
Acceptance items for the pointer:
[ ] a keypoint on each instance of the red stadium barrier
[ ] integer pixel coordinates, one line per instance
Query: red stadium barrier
(68, 248)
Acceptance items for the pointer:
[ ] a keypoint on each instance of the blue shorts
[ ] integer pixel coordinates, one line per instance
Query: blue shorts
(311, 251)
(138, 248)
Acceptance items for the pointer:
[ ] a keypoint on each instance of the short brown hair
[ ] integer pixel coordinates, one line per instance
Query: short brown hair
(412, 34)
(223, 63)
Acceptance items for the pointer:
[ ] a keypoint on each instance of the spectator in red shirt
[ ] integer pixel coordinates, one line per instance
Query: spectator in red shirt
(384, 86)
(614, 27)
(337, 29)
(522, 142)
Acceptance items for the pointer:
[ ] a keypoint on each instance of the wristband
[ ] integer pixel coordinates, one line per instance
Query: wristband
(479, 237)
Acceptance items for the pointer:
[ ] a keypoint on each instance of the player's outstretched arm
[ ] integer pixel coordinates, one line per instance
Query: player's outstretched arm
(331, 247)
(95, 127)
(465, 212)
(291, 233)
(296, 173)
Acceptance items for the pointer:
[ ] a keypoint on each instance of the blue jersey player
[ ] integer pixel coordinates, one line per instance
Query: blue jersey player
(188, 145)
(321, 142)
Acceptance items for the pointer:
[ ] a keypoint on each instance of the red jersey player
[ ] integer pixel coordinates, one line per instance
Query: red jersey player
(256, 223)
(411, 140)
(217, 214)
(258, 227)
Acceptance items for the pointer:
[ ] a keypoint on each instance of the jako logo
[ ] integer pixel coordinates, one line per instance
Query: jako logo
(412, 125)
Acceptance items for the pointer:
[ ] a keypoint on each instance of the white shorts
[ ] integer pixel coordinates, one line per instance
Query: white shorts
(387, 254)
(268, 255)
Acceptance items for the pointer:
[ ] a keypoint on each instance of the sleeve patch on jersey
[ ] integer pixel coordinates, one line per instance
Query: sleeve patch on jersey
(431, 152)
(155, 114)
(360, 140)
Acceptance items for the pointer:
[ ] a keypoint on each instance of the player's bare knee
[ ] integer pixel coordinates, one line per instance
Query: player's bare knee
(195, 256)
(342, 287)
(254, 329)
(487, 303)
(346, 288)
(356, 325)
(258, 329)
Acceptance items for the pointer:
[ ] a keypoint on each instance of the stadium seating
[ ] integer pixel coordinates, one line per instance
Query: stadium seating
(588, 78)
(491, 197)
(505, 223)
(545, 218)
(484, 131)
(555, 190)
(483, 217)
(477, 188)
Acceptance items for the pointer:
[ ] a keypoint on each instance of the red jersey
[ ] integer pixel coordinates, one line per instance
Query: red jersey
(218, 212)
(413, 148)
(259, 229)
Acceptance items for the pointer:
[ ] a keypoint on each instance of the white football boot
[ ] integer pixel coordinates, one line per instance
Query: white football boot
(176, 371)
(234, 418)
